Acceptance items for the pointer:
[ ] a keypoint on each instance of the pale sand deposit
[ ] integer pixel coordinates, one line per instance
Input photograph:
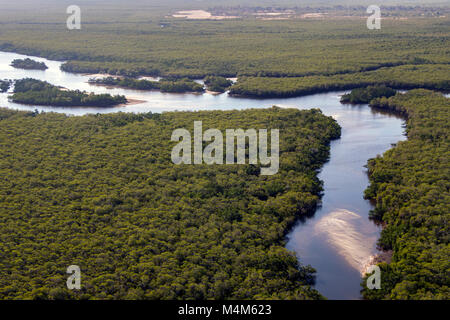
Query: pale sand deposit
(131, 102)
(200, 15)
(342, 230)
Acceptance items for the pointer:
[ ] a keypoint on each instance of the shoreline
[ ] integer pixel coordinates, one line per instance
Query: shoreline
(109, 86)
(130, 102)
(382, 257)
(374, 259)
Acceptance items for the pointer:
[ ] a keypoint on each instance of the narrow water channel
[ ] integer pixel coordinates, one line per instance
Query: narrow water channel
(339, 239)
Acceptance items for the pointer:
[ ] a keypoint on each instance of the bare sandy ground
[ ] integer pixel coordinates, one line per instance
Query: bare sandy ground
(313, 15)
(101, 75)
(214, 93)
(342, 230)
(200, 15)
(149, 78)
(131, 101)
(274, 13)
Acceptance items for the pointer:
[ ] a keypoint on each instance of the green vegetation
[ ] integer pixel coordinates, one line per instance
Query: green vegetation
(164, 85)
(28, 64)
(4, 85)
(272, 58)
(139, 39)
(430, 76)
(365, 95)
(101, 192)
(410, 185)
(218, 84)
(31, 91)
(180, 86)
(125, 83)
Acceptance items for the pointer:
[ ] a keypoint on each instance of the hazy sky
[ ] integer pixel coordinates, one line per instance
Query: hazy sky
(206, 3)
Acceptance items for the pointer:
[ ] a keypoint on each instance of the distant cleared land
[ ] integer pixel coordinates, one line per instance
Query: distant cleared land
(154, 43)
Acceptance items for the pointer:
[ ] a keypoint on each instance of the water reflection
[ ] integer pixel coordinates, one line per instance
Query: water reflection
(339, 237)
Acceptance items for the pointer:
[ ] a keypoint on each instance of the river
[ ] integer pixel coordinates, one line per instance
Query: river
(339, 239)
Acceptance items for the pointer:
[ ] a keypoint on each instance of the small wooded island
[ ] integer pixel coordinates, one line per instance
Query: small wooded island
(4, 85)
(365, 95)
(31, 91)
(164, 85)
(28, 64)
(218, 84)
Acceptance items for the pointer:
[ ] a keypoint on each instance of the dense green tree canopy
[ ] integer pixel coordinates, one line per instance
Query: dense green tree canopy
(217, 84)
(410, 184)
(365, 95)
(41, 93)
(101, 192)
(428, 76)
(164, 85)
(28, 64)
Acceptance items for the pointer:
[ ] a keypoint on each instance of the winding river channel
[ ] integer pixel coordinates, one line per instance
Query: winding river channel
(339, 240)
